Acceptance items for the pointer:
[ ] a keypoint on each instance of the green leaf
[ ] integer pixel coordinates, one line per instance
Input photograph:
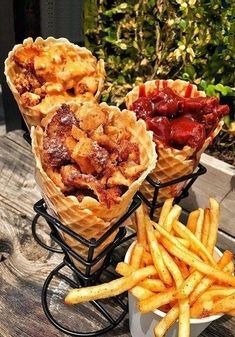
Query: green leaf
(183, 24)
(227, 120)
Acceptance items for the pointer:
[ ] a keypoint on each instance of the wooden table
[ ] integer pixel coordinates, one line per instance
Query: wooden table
(24, 265)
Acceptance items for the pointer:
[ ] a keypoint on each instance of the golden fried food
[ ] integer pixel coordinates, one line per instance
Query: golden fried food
(44, 73)
(79, 156)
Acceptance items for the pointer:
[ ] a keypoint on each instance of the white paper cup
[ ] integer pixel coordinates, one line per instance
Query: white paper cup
(142, 325)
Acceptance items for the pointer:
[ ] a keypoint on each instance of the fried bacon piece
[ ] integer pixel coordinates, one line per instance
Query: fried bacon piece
(131, 169)
(71, 176)
(24, 57)
(55, 153)
(27, 81)
(30, 99)
(61, 124)
(128, 151)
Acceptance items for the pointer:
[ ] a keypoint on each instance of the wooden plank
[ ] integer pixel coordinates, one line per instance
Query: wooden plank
(218, 182)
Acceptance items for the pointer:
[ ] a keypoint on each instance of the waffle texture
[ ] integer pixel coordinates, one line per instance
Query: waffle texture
(172, 163)
(33, 115)
(90, 218)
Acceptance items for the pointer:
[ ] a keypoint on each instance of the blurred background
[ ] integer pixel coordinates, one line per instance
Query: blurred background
(138, 39)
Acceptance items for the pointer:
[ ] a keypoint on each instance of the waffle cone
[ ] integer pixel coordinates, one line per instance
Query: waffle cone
(171, 163)
(90, 218)
(33, 115)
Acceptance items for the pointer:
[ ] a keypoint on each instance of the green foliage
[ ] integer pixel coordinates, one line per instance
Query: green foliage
(144, 39)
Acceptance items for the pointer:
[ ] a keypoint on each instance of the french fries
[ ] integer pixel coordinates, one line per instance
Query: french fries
(157, 257)
(165, 211)
(136, 256)
(171, 217)
(214, 223)
(156, 301)
(172, 268)
(206, 227)
(110, 289)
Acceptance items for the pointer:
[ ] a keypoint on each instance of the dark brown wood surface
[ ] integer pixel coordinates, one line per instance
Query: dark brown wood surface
(24, 265)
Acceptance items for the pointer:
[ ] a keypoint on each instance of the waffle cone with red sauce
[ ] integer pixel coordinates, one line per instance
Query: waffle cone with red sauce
(172, 163)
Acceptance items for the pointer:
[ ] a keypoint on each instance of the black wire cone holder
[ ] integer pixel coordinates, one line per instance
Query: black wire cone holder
(157, 185)
(88, 275)
(27, 137)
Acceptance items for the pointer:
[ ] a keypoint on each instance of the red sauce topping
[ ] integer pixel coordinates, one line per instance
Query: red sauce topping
(142, 92)
(188, 90)
(178, 121)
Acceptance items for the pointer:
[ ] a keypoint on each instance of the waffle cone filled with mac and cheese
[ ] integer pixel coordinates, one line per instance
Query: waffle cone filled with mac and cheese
(45, 73)
(172, 162)
(90, 161)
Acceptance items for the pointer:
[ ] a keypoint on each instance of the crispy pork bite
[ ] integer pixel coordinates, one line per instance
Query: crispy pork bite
(24, 57)
(91, 116)
(55, 152)
(71, 176)
(61, 123)
(79, 158)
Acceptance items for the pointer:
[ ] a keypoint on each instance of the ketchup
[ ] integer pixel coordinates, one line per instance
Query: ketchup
(178, 121)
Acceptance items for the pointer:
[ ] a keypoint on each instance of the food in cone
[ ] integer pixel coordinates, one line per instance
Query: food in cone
(90, 161)
(43, 73)
(184, 122)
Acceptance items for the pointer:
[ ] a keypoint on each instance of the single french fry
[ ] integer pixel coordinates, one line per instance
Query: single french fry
(141, 293)
(184, 269)
(167, 206)
(184, 309)
(184, 232)
(189, 285)
(184, 242)
(184, 318)
(147, 258)
(109, 289)
(136, 255)
(171, 217)
(153, 285)
(199, 226)
(225, 305)
(172, 266)
(140, 224)
(214, 224)
(166, 322)
(156, 301)
(124, 269)
(206, 227)
(192, 220)
(157, 257)
(206, 282)
(199, 265)
(230, 268)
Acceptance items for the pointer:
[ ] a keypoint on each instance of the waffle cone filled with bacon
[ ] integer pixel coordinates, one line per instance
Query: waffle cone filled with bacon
(45, 73)
(184, 122)
(90, 161)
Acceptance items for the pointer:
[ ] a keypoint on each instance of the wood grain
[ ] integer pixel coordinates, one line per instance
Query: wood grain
(24, 265)
(218, 182)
